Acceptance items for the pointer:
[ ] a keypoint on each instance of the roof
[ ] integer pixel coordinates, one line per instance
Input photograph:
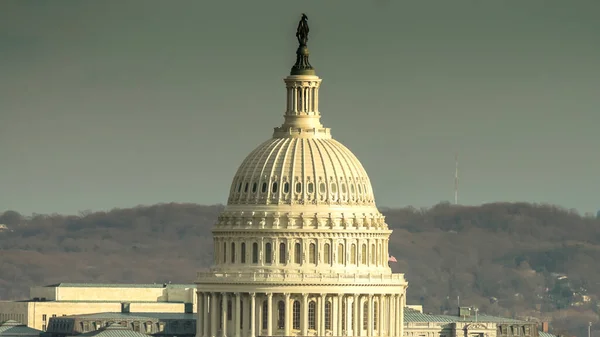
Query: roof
(14, 328)
(113, 330)
(134, 315)
(414, 316)
(545, 334)
(120, 285)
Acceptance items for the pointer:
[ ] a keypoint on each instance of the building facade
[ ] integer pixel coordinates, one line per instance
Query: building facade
(301, 248)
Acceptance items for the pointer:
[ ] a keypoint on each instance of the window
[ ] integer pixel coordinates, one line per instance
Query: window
(148, 327)
(328, 315)
(254, 188)
(312, 324)
(340, 256)
(312, 253)
(44, 317)
(243, 252)
(298, 187)
(255, 252)
(373, 254)
(246, 188)
(333, 188)
(274, 187)
(136, 326)
(359, 189)
(282, 253)
(286, 187)
(265, 314)
(281, 314)
(297, 253)
(268, 253)
(363, 253)
(240, 187)
(43, 327)
(327, 254)
(310, 188)
(241, 314)
(322, 188)
(353, 254)
(375, 314)
(264, 187)
(365, 316)
(233, 252)
(343, 188)
(343, 316)
(224, 252)
(296, 315)
(352, 188)
(229, 310)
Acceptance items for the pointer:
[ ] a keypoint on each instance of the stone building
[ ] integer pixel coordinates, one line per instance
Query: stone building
(85, 298)
(301, 248)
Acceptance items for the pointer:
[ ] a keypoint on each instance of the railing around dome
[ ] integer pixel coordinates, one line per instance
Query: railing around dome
(269, 277)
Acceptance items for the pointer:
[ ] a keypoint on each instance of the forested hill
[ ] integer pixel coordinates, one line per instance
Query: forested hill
(510, 259)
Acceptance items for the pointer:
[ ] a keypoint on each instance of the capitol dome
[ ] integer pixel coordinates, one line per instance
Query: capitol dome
(300, 248)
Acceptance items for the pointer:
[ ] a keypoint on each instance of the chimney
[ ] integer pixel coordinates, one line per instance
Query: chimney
(545, 327)
(125, 308)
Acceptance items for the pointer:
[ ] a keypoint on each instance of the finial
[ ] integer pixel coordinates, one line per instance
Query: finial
(302, 66)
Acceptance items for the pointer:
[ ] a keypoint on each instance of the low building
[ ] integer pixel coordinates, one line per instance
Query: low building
(65, 299)
(12, 328)
(113, 330)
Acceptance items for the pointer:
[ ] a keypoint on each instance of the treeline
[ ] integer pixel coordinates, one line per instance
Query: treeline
(511, 259)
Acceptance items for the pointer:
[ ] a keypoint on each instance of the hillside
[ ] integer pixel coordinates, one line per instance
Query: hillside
(517, 260)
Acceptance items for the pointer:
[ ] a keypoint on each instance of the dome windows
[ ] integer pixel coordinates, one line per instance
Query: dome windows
(246, 188)
(334, 188)
(352, 188)
(310, 188)
(274, 187)
(254, 187)
(343, 188)
(322, 188)
(298, 187)
(286, 187)
(264, 187)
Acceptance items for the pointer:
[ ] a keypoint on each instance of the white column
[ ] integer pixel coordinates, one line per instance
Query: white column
(304, 315)
(214, 316)
(322, 309)
(392, 320)
(224, 313)
(399, 307)
(381, 315)
(205, 320)
(370, 317)
(288, 314)
(401, 319)
(316, 100)
(269, 314)
(252, 314)
(238, 314)
(357, 322)
(336, 315)
(199, 315)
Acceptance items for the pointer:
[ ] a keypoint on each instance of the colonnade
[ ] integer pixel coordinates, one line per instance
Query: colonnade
(249, 314)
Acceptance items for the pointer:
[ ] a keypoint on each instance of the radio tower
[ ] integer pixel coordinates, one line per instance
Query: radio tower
(456, 180)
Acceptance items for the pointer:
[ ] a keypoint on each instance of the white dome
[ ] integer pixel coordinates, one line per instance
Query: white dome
(301, 171)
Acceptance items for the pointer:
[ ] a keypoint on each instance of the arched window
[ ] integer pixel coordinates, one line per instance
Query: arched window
(353, 254)
(255, 252)
(328, 315)
(333, 188)
(373, 253)
(233, 252)
(375, 314)
(282, 253)
(246, 188)
(274, 187)
(243, 252)
(286, 187)
(265, 314)
(298, 187)
(280, 314)
(310, 187)
(379, 255)
(296, 315)
(344, 316)
(312, 253)
(264, 187)
(340, 255)
(327, 253)
(322, 188)
(268, 253)
(240, 187)
(365, 315)
(343, 188)
(363, 254)
(224, 252)
(297, 253)
(312, 322)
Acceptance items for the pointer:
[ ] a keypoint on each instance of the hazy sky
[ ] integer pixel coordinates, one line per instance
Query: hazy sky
(117, 103)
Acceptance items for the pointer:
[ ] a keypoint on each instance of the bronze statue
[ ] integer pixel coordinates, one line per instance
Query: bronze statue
(302, 31)
(302, 66)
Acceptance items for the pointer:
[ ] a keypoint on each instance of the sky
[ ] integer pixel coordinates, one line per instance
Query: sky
(112, 104)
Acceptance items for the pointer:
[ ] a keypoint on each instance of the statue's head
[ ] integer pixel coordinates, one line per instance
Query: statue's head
(304, 17)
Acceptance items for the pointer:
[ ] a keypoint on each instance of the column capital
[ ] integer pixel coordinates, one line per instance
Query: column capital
(237, 294)
(304, 295)
(223, 294)
(269, 295)
(287, 295)
(323, 295)
(253, 295)
(340, 295)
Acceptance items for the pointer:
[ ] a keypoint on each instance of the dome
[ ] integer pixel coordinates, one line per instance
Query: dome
(301, 171)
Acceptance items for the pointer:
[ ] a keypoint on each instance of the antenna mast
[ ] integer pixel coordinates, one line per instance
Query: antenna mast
(456, 180)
